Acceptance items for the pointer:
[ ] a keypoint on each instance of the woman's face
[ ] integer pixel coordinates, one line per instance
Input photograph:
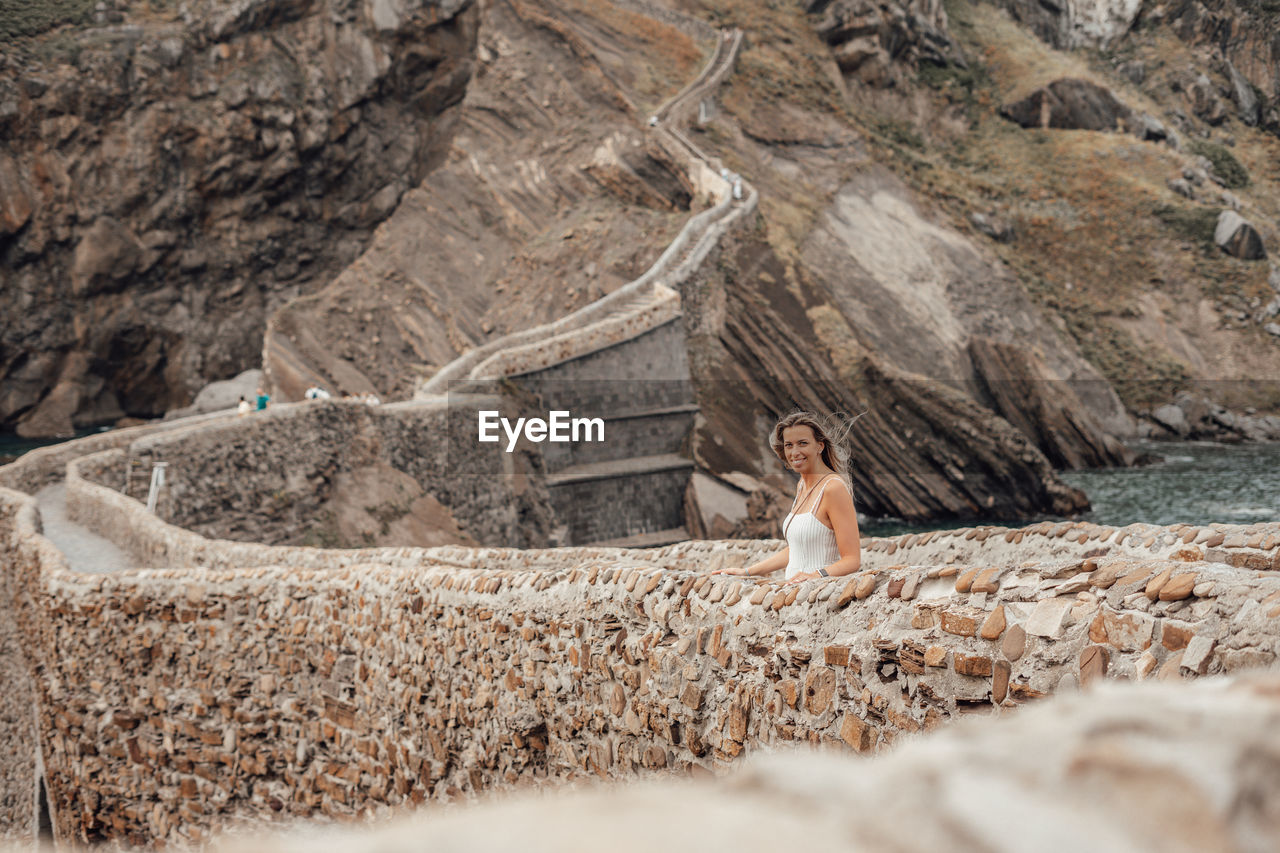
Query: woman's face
(802, 451)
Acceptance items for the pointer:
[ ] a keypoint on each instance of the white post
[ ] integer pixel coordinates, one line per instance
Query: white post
(157, 483)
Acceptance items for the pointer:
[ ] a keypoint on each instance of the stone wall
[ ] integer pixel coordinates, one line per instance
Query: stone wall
(38, 468)
(182, 700)
(278, 476)
(1125, 767)
(155, 543)
(25, 556)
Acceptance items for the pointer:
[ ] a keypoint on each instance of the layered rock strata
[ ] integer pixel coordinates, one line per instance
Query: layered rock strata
(550, 196)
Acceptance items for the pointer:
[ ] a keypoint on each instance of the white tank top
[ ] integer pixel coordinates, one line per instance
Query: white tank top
(811, 544)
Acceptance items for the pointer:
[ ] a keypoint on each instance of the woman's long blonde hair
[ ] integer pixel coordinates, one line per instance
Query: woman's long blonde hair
(832, 433)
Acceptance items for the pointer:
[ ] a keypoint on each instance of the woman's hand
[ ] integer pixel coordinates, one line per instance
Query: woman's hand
(802, 577)
(737, 572)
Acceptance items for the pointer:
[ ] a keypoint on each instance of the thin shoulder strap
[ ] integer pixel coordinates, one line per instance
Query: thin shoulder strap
(834, 478)
(813, 504)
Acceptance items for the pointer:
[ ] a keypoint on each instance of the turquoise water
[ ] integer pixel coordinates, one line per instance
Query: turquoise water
(1193, 482)
(13, 445)
(1196, 482)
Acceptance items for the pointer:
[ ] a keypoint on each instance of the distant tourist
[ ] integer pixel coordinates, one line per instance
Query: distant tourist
(264, 399)
(244, 408)
(822, 528)
(315, 392)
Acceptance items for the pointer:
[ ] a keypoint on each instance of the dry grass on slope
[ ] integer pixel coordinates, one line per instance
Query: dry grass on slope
(1097, 229)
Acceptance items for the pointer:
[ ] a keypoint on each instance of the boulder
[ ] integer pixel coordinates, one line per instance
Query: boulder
(1070, 104)
(1173, 419)
(995, 228)
(1243, 94)
(1237, 237)
(1147, 127)
(1182, 187)
(223, 394)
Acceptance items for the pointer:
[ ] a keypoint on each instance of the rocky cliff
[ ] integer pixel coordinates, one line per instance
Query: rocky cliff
(1238, 39)
(549, 196)
(1015, 291)
(170, 175)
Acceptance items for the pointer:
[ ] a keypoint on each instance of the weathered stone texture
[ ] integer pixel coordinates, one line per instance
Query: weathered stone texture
(214, 695)
(1074, 773)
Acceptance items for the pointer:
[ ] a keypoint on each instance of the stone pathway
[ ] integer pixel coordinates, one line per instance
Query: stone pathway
(85, 551)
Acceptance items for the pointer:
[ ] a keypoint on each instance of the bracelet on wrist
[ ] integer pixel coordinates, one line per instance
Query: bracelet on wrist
(823, 573)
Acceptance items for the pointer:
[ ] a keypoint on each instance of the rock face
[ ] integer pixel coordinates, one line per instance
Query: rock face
(1070, 105)
(550, 196)
(1076, 23)
(169, 179)
(866, 38)
(1044, 408)
(921, 449)
(1241, 32)
(1235, 236)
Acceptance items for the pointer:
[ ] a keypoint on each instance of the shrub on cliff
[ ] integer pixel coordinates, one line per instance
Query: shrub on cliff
(1234, 176)
(28, 17)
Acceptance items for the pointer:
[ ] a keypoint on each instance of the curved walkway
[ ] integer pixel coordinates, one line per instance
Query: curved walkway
(85, 551)
(685, 253)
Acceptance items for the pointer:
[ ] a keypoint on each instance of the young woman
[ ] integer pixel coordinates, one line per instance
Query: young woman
(822, 528)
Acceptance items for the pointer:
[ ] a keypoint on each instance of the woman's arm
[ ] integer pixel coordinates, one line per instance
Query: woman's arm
(763, 567)
(844, 521)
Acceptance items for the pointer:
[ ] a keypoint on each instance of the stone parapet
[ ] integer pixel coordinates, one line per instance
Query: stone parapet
(1126, 767)
(1252, 546)
(38, 468)
(662, 308)
(26, 558)
(216, 695)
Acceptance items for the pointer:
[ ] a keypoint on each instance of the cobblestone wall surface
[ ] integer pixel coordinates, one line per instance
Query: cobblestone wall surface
(267, 477)
(1125, 767)
(181, 700)
(24, 555)
(38, 468)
